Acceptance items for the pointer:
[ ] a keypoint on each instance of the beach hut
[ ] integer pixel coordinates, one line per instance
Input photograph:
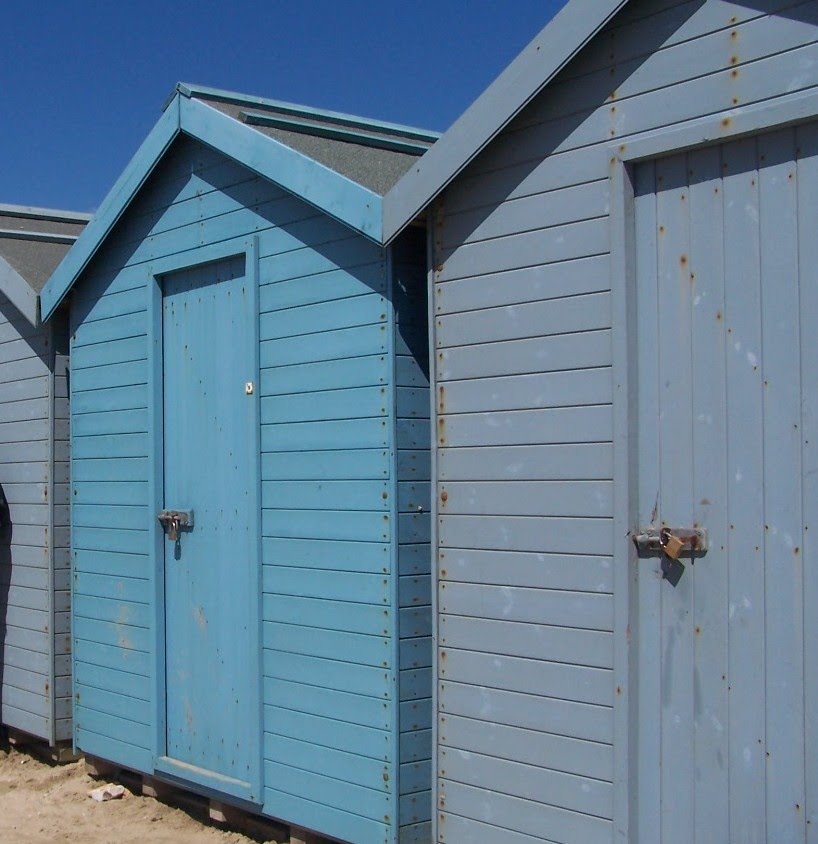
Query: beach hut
(624, 289)
(250, 470)
(35, 674)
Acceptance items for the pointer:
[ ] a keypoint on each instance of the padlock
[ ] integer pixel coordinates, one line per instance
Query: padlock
(672, 545)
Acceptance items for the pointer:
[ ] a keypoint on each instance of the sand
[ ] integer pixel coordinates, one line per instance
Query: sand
(42, 804)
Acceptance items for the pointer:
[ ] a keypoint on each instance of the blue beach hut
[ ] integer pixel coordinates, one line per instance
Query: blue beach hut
(35, 672)
(250, 468)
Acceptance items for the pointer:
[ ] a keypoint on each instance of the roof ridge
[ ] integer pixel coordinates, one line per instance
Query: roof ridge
(53, 214)
(308, 112)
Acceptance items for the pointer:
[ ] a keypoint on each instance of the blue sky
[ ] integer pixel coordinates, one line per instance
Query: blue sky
(83, 81)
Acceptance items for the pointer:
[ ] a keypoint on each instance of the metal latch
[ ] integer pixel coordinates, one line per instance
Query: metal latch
(671, 541)
(173, 520)
(670, 544)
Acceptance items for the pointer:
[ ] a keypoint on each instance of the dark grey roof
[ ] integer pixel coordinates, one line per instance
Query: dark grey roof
(34, 240)
(371, 153)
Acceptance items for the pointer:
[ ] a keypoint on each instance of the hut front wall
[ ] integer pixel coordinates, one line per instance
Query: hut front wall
(29, 604)
(527, 701)
(328, 496)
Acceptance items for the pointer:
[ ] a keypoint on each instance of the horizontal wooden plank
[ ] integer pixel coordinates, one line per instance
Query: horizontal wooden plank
(25, 659)
(112, 656)
(528, 781)
(334, 345)
(557, 716)
(105, 539)
(415, 684)
(457, 828)
(110, 492)
(326, 495)
(281, 802)
(571, 314)
(415, 652)
(526, 816)
(527, 676)
(113, 516)
(570, 572)
(329, 554)
(113, 750)
(570, 388)
(528, 533)
(415, 715)
(352, 464)
(358, 679)
(109, 469)
(538, 211)
(95, 675)
(414, 777)
(563, 462)
(117, 351)
(414, 590)
(325, 405)
(542, 246)
(414, 496)
(113, 633)
(414, 558)
(328, 644)
(14, 432)
(112, 611)
(517, 357)
(531, 747)
(124, 706)
(112, 726)
(527, 498)
(338, 764)
(530, 640)
(109, 398)
(322, 287)
(24, 389)
(370, 619)
(131, 589)
(414, 464)
(325, 436)
(27, 722)
(27, 639)
(363, 526)
(583, 610)
(124, 374)
(347, 373)
(326, 703)
(330, 585)
(24, 410)
(344, 253)
(106, 330)
(304, 321)
(329, 732)
(416, 745)
(527, 427)
(411, 372)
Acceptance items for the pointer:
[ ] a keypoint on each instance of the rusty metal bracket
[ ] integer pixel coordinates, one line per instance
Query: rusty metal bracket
(654, 542)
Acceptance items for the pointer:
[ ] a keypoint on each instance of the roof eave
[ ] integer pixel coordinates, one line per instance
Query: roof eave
(550, 51)
(348, 202)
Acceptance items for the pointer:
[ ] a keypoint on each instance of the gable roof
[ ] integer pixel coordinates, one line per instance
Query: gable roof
(338, 163)
(550, 51)
(33, 241)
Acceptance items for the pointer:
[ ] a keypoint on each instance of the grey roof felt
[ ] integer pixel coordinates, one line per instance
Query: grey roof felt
(33, 241)
(375, 168)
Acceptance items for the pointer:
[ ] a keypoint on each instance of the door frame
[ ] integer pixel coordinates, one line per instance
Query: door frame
(163, 765)
(713, 130)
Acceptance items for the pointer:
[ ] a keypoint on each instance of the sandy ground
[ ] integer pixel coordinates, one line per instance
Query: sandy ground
(42, 804)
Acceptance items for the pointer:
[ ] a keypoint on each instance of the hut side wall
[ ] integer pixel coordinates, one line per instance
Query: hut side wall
(25, 557)
(60, 498)
(523, 364)
(414, 550)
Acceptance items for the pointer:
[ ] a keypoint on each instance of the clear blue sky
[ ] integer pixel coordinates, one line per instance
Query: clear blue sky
(83, 81)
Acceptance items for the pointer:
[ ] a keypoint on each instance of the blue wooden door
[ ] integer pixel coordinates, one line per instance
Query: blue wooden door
(212, 571)
(727, 276)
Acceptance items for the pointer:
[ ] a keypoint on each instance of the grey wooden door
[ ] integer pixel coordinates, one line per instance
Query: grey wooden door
(727, 301)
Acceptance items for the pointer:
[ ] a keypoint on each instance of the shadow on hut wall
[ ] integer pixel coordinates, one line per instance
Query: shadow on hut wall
(501, 171)
(6, 531)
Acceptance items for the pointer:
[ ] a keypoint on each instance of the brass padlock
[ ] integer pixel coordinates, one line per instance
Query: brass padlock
(672, 545)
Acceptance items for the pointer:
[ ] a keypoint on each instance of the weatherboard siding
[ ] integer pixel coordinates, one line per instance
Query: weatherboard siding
(524, 442)
(413, 454)
(25, 556)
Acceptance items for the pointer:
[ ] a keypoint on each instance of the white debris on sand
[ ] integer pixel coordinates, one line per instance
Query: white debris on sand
(112, 791)
(48, 804)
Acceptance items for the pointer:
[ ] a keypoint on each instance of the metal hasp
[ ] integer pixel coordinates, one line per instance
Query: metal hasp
(674, 542)
(172, 520)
